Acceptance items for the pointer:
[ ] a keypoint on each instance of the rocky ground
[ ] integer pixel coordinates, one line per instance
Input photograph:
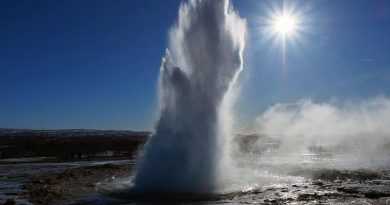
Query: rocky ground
(334, 187)
(66, 186)
(318, 186)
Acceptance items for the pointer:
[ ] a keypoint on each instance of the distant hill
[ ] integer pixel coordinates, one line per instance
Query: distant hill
(69, 132)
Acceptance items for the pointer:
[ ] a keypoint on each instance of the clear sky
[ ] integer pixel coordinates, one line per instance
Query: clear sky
(95, 63)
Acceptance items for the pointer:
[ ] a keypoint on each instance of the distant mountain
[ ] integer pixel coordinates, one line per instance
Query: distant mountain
(68, 132)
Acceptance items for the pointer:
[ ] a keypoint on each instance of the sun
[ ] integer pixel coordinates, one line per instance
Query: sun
(285, 24)
(283, 28)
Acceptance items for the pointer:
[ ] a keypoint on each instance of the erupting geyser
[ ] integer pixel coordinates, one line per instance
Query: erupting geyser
(189, 149)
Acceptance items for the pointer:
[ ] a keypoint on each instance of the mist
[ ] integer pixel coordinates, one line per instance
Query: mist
(359, 128)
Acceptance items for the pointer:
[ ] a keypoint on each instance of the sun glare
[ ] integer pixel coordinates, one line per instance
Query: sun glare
(285, 24)
(284, 27)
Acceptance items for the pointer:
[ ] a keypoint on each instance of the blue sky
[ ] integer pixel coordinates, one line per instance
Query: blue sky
(95, 64)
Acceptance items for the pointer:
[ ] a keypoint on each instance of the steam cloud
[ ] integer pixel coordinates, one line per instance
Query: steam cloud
(188, 151)
(352, 128)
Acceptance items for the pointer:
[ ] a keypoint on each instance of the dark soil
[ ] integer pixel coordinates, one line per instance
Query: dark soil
(70, 145)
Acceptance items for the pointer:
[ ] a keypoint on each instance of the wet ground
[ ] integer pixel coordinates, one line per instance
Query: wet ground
(56, 183)
(292, 179)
